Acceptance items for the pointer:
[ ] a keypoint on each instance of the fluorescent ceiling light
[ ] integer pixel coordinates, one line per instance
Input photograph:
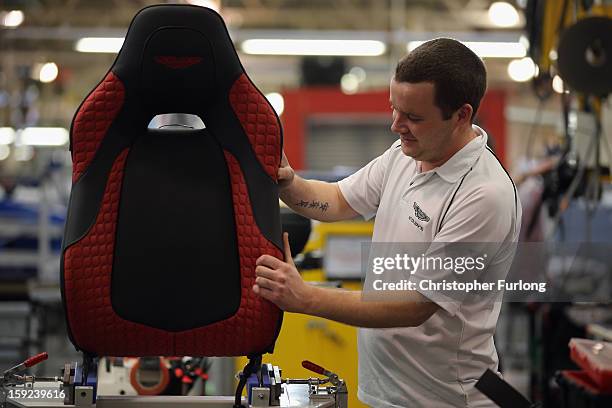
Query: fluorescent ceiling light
(349, 83)
(12, 18)
(99, 44)
(503, 14)
(313, 47)
(47, 72)
(44, 136)
(522, 70)
(7, 135)
(557, 84)
(486, 49)
(359, 73)
(277, 101)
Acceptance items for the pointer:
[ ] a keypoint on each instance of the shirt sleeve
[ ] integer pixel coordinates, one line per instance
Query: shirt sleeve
(481, 222)
(363, 189)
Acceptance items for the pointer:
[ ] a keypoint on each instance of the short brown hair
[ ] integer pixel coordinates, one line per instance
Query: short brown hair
(459, 76)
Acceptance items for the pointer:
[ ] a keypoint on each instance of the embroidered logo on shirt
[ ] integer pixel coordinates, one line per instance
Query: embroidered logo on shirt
(416, 224)
(420, 214)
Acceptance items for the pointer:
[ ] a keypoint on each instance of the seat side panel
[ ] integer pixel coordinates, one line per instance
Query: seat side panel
(259, 122)
(254, 327)
(92, 121)
(87, 272)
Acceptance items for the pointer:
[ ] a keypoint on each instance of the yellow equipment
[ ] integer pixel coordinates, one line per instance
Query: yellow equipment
(327, 343)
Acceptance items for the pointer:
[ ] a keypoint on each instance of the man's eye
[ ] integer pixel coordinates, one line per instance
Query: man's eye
(413, 119)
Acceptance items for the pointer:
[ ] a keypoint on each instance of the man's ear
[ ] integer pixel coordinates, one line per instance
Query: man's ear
(464, 113)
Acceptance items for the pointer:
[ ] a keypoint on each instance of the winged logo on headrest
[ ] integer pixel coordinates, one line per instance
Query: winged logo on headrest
(176, 62)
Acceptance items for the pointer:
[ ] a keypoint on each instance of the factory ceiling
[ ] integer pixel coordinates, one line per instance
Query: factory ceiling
(51, 28)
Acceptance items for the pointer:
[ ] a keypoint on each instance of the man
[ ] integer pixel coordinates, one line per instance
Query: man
(438, 183)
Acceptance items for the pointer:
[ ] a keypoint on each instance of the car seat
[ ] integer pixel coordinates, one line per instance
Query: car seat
(164, 225)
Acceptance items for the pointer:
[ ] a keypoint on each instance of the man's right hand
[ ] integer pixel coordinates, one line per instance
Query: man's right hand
(285, 173)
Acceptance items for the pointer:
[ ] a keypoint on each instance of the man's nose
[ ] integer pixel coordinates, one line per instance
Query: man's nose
(398, 125)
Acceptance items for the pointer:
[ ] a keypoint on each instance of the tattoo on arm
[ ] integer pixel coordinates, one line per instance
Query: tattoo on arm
(314, 204)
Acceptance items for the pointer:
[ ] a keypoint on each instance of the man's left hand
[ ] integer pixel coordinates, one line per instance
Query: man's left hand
(281, 283)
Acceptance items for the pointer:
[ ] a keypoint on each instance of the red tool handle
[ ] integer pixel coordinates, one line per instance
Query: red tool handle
(309, 365)
(36, 359)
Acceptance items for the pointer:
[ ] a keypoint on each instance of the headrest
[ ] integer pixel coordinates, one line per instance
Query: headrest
(177, 59)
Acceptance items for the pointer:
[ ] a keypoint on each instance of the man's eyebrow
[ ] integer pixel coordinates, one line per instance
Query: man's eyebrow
(406, 113)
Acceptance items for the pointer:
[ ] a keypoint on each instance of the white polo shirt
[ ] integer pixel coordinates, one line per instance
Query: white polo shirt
(470, 198)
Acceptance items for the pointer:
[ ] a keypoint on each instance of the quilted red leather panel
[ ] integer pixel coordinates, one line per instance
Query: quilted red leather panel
(95, 325)
(253, 328)
(93, 120)
(87, 275)
(259, 123)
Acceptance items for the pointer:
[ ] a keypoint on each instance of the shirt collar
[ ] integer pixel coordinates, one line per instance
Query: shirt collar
(459, 164)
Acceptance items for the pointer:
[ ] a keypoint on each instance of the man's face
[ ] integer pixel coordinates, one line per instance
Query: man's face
(418, 121)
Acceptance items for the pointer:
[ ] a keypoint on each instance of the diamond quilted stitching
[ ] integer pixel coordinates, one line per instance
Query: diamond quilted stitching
(253, 327)
(88, 263)
(95, 326)
(259, 123)
(87, 276)
(93, 120)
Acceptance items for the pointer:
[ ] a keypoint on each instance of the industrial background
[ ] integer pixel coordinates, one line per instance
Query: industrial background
(541, 113)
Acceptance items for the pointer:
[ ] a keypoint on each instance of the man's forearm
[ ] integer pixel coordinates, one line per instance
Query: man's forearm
(349, 308)
(316, 200)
